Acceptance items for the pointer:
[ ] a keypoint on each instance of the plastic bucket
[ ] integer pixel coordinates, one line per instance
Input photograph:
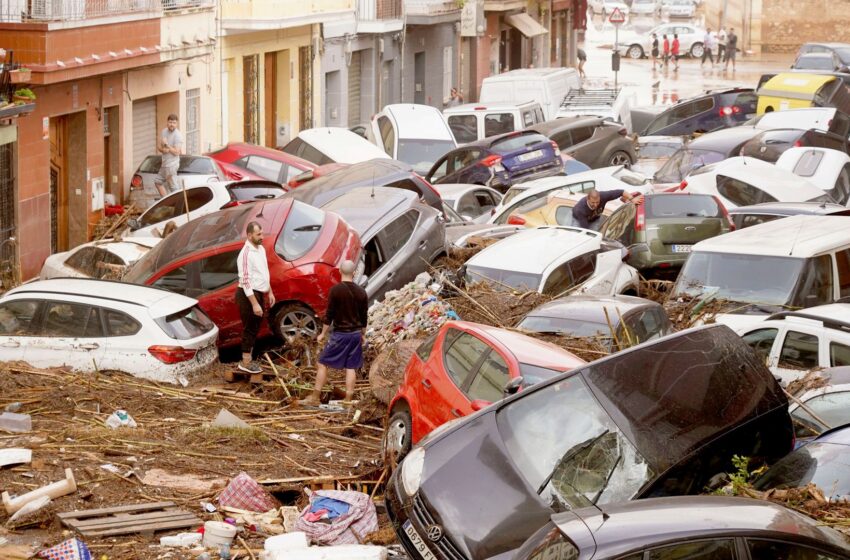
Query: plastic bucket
(217, 533)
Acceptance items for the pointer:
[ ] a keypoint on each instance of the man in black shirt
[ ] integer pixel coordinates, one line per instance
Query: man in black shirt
(590, 208)
(347, 312)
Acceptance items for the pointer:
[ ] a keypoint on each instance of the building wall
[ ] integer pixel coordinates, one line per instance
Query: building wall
(430, 40)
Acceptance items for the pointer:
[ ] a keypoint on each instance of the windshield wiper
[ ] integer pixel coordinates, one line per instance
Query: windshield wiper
(569, 455)
(607, 481)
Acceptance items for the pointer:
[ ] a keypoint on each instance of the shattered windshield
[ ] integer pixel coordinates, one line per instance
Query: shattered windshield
(683, 162)
(569, 449)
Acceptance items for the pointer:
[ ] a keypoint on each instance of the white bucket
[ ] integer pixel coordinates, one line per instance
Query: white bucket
(217, 533)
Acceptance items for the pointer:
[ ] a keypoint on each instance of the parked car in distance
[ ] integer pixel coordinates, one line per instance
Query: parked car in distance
(639, 45)
(477, 121)
(500, 161)
(679, 9)
(704, 113)
(703, 527)
(822, 166)
(653, 152)
(661, 232)
(841, 50)
(704, 150)
(556, 209)
(826, 61)
(240, 160)
(400, 235)
(606, 7)
(475, 202)
(460, 369)
(643, 7)
(106, 259)
(746, 216)
(770, 144)
(329, 144)
(828, 400)
(617, 321)
(304, 248)
(201, 200)
(548, 86)
(460, 232)
(825, 119)
(591, 140)
(563, 444)
(418, 135)
(92, 325)
(193, 171)
(554, 260)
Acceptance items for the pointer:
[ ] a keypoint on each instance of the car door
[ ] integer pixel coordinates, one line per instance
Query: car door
(799, 352)
(461, 359)
(123, 344)
(385, 256)
(18, 318)
(68, 334)
(583, 148)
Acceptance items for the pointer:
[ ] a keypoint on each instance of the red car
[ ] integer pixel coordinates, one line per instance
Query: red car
(239, 161)
(304, 246)
(462, 368)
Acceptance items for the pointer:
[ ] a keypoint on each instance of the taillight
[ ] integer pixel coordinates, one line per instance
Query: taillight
(491, 160)
(640, 218)
(171, 354)
(683, 185)
(555, 147)
(727, 111)
(797, 144)
(516, 220)
(136, 182)
(230, 204)
(725, 213)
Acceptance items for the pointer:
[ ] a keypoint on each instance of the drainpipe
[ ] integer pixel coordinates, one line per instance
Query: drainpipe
(403, 42)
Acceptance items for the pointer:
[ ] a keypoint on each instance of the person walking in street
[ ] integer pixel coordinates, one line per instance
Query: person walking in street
(254, 286)
(455, 99)
(722, 38)
(582, 58)
(731, 49)
(347, 314)
(665, 50)
(654, 51)
(674, 51)
(170, 145)
(707, 48)
(587, 211)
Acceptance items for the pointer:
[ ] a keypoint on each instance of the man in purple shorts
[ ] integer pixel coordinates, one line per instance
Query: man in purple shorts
(348, 307)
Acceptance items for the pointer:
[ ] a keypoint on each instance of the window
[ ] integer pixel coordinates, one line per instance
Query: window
(747, 220)
(193, 121)
(464, 127)
(815, 285)
(841, 191)
(217, 271)
(741, 193)
(498, 123)
(63, 319)
(785, 551)
(300, 231)
(174, 281)
(761, 341)
(448, 65)
(700, 550)
(186, 324)
(198, 197)
(440, 170)
(302, 149)
(702, 105)
(424, 350)
(120, 324)
(839, 354)
(582, 267)
(799, 351)
(563, 139)
(558, 281)
(842, 260)
(165, 209)
(387, 134)
(264, 167)
(564, 216)
(644, 326)
(808, 163)
(462, 357)
(89, 261)
(527, 118)
(619, 224)
(489, 383)
(16, 316)
(398, 233)
(677, 206)
(581, 134)
(832, 408)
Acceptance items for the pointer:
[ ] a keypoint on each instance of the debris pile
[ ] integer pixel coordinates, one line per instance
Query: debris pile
(481, 303)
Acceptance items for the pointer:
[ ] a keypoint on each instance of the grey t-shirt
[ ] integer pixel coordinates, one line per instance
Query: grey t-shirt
(174, 140)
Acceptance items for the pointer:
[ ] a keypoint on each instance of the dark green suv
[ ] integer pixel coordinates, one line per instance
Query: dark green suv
(661, 231)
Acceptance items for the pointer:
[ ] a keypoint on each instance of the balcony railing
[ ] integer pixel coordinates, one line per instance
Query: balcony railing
(430, 7)
(76, 10)
(371, 10)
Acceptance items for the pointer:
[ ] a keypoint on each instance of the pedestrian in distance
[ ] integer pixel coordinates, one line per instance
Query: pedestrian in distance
(674, 51)
(348, 307)
(253, 293)
(582, 58)
(654, 51)
(455, 99)
(707, 48)
(722, 39)
(665, 50)
(170, 145)
(587, 211)
(731, 49)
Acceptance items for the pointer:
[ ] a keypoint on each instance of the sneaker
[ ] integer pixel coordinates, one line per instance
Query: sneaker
(252, 367)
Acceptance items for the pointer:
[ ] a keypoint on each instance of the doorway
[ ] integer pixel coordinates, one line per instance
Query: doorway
(58, 184)
(419, 78)
(270, 85)
(305, 87)
(251, 99)
(110, 152)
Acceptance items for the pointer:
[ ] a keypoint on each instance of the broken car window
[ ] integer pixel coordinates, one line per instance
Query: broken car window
(300, 232)
(16, 316)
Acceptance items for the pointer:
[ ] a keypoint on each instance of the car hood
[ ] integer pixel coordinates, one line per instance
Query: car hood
(739, 322)
(459, 235)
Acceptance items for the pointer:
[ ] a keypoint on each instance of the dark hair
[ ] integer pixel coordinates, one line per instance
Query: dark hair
(172, 117)
(675, 35)
(665, 35)
(252, 227)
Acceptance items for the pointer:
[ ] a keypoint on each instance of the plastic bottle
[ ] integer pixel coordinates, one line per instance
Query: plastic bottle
(224, 552)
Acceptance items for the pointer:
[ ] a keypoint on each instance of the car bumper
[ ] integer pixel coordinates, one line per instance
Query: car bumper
(642, 258)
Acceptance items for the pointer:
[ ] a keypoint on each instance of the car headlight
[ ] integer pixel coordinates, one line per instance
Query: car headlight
(411, 471)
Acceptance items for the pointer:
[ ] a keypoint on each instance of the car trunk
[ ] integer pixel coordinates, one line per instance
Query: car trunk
(677, 235)
(340, 241)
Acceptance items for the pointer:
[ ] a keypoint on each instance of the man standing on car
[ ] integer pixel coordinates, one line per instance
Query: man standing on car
(347, 314)
(254, 283)
(170, 145)
(588, 210)
(731, 48)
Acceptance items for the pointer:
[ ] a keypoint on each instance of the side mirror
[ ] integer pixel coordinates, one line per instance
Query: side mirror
(134, 224)
(478, 404)
(512, 386)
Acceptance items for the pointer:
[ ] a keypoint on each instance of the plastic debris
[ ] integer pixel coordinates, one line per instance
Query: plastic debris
(120, 419)
(55, 490)
(181, 539)
(13, 422)
(26, 511)
(14, 456)
(227, 419)
(72, 549)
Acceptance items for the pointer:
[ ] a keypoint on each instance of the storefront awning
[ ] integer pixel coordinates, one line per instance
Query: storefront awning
(526, 25)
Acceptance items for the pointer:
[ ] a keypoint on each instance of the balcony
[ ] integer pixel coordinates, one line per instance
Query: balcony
(428, 12)
(379, 16)
(256, 15)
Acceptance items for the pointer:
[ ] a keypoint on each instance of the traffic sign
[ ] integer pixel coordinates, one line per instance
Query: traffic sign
(617, 16)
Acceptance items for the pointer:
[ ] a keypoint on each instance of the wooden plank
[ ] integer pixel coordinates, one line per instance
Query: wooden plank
(83, 513)
(117, 520)
(161, 526)
(136, 526)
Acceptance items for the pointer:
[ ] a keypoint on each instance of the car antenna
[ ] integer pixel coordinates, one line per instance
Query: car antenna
(794, 243)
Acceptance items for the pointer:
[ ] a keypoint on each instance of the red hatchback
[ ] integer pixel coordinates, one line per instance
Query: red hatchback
(304, 246)
(462, 368)
(240, 160)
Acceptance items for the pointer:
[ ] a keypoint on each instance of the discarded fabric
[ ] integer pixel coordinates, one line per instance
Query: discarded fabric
(72, 549)
(243, 492)
(348, 528)
(120, 419)
(335, 508)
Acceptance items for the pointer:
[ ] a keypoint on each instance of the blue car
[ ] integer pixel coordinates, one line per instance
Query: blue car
(704, 113)
(499, 161)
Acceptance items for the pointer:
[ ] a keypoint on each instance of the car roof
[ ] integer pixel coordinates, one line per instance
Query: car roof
(553, 181)
(527, 73)
(723, 140)
(564, 123)
(795, 236)
(828, 55)
(834, 311)
(590, 308)
(534, 250)
(366, 173)
(345, 144)
(255, 149)
(364, 207)
(411, 124)
(788, 208)
(766, 176)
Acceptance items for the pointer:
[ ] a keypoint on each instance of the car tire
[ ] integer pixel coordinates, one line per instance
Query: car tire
(635, 52)
(295, 320)
(620, 158)
(697, 50)
(397, 437)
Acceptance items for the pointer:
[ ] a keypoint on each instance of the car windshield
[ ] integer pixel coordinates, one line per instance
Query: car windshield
(814, 63)
(532, 375)
(421, 154)
(503, 279)
(564, 325)
(684, 161)
(682, 206)
(512, 193)
(824, 464)
(654, 150)
(569, 449)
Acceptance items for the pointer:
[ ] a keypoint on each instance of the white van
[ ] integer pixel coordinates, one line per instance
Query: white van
(331, 144)
(548, 86)
(476, 121)
(415, 134)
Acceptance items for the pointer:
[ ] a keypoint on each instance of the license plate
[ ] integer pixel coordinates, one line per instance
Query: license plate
(682, 248)
(536, 154)
(417, 541)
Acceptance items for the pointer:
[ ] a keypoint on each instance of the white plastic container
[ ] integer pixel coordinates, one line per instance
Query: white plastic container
(287, 541)
(217, 533)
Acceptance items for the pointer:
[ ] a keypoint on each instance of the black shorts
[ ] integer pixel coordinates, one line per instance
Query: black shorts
(654, 53)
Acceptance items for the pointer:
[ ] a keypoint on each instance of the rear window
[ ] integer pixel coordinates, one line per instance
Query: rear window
(658, 149)
(783, 136)
(513, 143)
(679, 206)
(500, 279)
(300, 232)
(186, 324)
(302, 149)
(464, 127)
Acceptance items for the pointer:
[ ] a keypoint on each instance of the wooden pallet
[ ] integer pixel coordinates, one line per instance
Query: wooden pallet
(125, 520)
(235, 374)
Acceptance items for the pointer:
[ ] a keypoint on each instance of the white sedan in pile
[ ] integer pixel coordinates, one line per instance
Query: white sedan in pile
(98, 259)
(473, 202)
(91, 325)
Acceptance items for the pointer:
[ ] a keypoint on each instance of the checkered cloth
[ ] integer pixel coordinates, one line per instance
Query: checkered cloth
(244, 493)
(72, 549)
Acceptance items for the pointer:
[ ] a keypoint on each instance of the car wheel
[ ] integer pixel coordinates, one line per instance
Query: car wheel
(294, 321)
(620, 158)
(697, 50)
(397, 438)
(635, 51)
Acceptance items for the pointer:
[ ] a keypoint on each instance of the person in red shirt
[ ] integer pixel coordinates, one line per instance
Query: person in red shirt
(675, 51)
(665, 50)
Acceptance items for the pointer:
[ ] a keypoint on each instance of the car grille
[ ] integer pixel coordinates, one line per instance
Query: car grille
(424, 519)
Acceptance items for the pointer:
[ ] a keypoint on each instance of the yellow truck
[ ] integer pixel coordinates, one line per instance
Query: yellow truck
(797, 90)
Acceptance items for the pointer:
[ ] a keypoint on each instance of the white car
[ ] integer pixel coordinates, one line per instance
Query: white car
(202, 200)
(743, 181)
(604, 179)
(825, 119)
(639, 45)
(554, 260)
(794, 342)
(644, 7)
(415, 134)
(605, 7)
(92, 325)
(330, 144)
(474, 202)
(98, 259)
(829, 169)
(679, 8)
(193, 171)
(829, 402)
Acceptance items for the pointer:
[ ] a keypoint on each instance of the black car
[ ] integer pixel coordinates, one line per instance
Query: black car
(372, 173)
(711, 111)
(841, 50)
(657, 419)
(499, 161)
(771, 144)
(708, 148)
(746, 216)
(698, 528)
